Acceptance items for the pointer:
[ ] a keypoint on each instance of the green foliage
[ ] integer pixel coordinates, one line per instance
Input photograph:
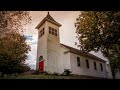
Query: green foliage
(56, 74)
(36, 72)
(46, 73)
(13, 53)
(66, 72)
(13, 48)
(100, 30)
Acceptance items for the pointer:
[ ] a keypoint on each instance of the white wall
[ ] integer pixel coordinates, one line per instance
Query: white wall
(64, 59)
(42, 45)
(83, 70)
(53, 50)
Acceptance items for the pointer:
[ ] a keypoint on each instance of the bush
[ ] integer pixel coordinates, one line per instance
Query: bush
(36, 72)
(66, 72)
(45, 73)
(56, 74)
(1, 74)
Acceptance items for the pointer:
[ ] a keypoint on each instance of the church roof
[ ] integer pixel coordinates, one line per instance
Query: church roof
(80, 52)
(49, 19)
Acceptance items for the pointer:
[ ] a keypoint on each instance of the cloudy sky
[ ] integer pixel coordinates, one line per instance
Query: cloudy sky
(67, 31)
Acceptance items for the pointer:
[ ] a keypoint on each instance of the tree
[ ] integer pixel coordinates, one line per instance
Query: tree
(13, 53)
(13, 21)
(13, 48)
(100, 30)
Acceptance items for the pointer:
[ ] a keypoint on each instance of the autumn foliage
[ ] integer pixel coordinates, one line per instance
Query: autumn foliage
(13, 48)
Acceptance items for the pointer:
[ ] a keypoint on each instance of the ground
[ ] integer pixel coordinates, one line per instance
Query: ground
(46, 77)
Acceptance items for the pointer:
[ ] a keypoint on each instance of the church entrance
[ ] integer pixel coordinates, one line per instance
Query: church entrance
(41, 64)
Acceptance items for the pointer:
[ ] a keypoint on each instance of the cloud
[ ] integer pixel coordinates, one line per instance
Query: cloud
(31, 39)
(28, 37)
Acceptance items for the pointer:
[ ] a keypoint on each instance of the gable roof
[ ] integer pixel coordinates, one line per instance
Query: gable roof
(49, 19)
(80, 52)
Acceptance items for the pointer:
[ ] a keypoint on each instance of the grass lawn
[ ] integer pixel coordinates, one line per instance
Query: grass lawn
(45, 77)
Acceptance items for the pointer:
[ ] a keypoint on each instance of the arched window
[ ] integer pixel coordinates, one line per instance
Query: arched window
(40, 58)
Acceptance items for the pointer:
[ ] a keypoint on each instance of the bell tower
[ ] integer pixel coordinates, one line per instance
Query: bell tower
(48, 44)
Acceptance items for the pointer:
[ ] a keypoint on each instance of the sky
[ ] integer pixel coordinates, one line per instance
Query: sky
(67, 31)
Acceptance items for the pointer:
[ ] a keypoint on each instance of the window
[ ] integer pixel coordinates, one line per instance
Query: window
(95, 66)
(50, 30)
(78, 61)
(101, 66)
(53, 31)
(41, 33)
(87, 63)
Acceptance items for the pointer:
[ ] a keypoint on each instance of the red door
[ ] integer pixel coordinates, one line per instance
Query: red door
(41, 66)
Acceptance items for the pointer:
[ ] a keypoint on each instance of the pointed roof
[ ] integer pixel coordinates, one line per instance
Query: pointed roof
(49, 19)
(80, 52)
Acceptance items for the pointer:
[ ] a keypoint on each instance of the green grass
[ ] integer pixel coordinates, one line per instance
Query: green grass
(45, 77)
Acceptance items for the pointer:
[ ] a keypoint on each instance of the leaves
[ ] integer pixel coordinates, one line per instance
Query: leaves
(13, 21)
(13, 52)
(100, 30)
(13, 48)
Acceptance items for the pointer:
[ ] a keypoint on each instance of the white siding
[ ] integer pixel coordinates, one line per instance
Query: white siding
(42, 45)
(83, 70)
(64, 62)
(53, 50)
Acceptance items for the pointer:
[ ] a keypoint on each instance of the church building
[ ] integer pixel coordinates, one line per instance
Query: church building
(53, 56)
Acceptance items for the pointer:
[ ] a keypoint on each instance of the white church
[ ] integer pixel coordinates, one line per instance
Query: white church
(53, 56)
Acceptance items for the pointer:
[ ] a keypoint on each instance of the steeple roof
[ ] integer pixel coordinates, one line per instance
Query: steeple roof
(49, 19)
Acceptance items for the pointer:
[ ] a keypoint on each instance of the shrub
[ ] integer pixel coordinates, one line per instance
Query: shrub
(66, 72)
(36, 72)
(45, 73)
(56, 74)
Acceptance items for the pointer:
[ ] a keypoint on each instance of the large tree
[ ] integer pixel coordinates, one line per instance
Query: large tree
(13, 21)
(13, 53)
(100, 31)
(13, 48)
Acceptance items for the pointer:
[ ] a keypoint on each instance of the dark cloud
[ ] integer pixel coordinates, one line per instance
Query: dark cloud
(28, 37)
